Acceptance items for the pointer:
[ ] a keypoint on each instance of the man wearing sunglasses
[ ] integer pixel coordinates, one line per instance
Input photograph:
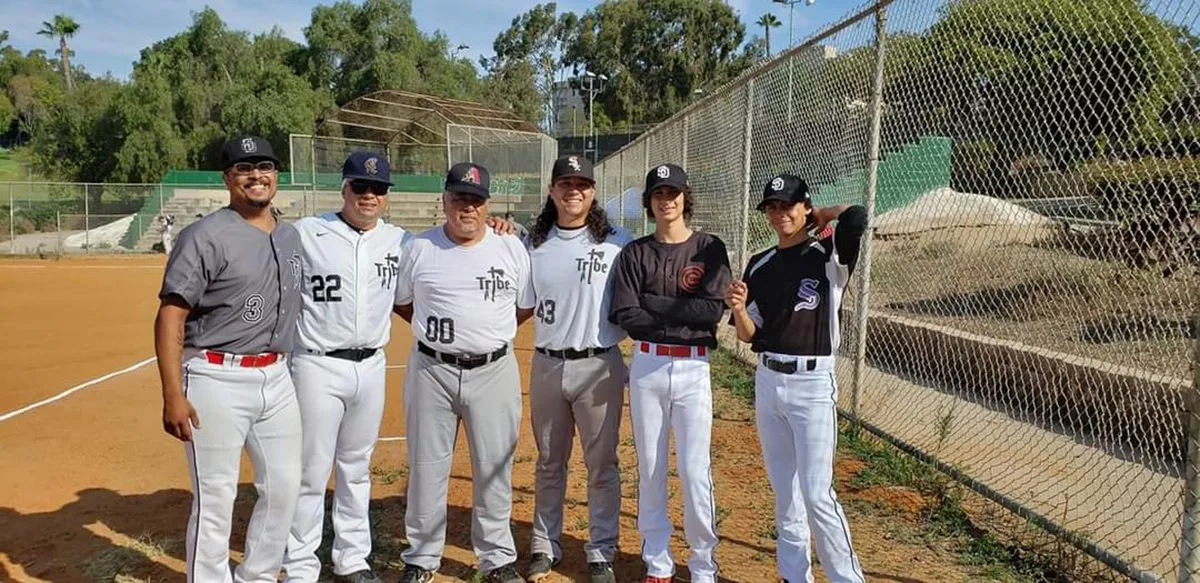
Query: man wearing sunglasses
(230, 297)
(351, 264)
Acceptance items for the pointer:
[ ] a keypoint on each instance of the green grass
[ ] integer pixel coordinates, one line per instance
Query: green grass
(14, 168)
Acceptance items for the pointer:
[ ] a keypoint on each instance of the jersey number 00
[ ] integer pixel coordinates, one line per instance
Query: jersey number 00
(440, 330)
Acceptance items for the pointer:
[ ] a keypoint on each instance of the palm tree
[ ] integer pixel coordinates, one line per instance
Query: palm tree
(768, 21)
(63, 27)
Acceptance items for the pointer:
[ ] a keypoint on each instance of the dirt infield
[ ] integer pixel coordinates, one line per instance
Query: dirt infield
(94, 490)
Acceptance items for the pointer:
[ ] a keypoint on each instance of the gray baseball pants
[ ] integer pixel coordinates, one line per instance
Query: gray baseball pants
(587, 394)
(488, 401)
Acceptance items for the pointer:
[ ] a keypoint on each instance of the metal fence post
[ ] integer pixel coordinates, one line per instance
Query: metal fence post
(58, 248)
(645, 168)
(864, 262)
(1189, 547)
(621, 188)
(686, 125)
(746, 145)
(12, 222)
(87, 236)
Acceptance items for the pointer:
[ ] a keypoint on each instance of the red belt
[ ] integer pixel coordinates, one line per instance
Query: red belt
(673, 350)
(244, 361)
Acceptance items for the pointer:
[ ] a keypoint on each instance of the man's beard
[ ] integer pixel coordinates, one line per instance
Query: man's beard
(258, 204)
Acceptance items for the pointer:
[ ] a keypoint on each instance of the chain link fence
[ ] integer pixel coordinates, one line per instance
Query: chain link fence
(1025, 312)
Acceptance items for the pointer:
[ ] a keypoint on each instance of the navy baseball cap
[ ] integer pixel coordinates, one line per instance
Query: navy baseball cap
(470, 179)
(665, 175)
(367, 166)
(246, 149)
(572, 167)
(787, 188)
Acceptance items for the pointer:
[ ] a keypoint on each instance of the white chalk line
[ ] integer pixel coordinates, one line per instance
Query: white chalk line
(392, 439)
(75, 389)
(397, 366)
(2, 266)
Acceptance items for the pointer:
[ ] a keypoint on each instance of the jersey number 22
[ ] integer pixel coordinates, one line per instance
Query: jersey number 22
(325, 289)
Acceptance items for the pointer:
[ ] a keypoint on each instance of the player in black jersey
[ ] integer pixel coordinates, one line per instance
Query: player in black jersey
(786, 306)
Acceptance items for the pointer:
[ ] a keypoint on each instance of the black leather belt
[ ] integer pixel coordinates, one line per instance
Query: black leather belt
(463, 361)
(572, 354)
(788, 366)
(355, 354)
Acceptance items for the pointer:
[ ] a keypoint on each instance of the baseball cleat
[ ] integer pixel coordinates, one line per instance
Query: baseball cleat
(363, 576)
(415, 574)
(601, 572)
(540, 565)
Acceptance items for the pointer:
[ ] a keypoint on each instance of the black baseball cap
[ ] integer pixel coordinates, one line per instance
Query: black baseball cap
(666, 175)
(787, 188)
(246, 149)
(470, 179)
(367, 166)
(572, 167)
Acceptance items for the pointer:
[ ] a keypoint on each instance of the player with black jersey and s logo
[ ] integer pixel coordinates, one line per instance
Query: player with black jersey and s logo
(786, 306)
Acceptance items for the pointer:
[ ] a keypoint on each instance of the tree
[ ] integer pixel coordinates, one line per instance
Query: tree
(534, 39)
(768, 21)
(62, 27)
(656, 53)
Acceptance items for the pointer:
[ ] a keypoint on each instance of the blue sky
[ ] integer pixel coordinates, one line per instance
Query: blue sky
(112, 32)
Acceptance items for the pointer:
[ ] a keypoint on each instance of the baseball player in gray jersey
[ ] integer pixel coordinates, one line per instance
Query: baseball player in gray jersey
(465, 289)
(578, 377)
(230, 297)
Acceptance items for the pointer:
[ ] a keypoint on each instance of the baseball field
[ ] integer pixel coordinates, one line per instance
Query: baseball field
(93, 490)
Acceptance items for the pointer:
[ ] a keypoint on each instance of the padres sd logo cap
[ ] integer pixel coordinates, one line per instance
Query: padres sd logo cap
(469, 178)
(367, 166)
(666, 175)
(246, 149)
(787, 188)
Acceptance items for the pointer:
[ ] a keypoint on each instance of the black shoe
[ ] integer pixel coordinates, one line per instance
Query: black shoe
(363, 576)
(601, 572)
(540, 565)
(505, 574)
(415, 574)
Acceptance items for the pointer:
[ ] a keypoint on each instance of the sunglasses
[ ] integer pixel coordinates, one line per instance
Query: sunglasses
(263, 166)
(361, 187)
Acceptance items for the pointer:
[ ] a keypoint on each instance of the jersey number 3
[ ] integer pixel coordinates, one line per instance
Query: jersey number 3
(325, 288)
(440, 330)
(545, 311)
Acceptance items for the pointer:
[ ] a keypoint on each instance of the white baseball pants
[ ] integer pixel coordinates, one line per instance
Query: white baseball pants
(239, 407)
(341, 405)
(668, 393)
(797, 426)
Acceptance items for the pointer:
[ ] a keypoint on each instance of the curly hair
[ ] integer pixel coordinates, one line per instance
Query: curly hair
(597, 223)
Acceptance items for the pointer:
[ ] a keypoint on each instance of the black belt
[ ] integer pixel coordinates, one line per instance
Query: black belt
(572, 354)
(463, 361)
(788, 366)
(355, 354)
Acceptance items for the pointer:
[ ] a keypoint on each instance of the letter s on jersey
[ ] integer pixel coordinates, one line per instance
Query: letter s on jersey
(809, 294)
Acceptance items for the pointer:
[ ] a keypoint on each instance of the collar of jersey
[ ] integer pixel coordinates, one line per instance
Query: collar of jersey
(570, 233)
(336, 225)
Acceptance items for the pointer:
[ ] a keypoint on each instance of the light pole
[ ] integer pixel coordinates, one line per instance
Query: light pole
(791, 4)
(592, 91)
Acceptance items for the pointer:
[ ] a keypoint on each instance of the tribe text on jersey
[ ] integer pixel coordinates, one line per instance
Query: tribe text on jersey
(571, 274)
(348, 280)
(464, 298)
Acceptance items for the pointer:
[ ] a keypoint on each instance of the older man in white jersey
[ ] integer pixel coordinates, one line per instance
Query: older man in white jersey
(351, 266)
(465, 290)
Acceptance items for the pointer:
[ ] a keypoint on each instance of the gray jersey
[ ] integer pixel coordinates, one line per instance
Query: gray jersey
(242, 284)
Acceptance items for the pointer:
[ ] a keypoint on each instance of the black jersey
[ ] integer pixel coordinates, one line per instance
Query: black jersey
(795, 294)
(671, 293)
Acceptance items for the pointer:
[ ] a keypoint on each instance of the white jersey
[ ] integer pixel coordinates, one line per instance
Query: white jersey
(571, 274)
(349, 283)
(465, 298)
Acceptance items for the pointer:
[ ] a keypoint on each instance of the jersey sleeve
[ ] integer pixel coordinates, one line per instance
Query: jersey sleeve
(847, 238)
(404, 281)
(525, 295)
(717, 273)
(195, 261)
